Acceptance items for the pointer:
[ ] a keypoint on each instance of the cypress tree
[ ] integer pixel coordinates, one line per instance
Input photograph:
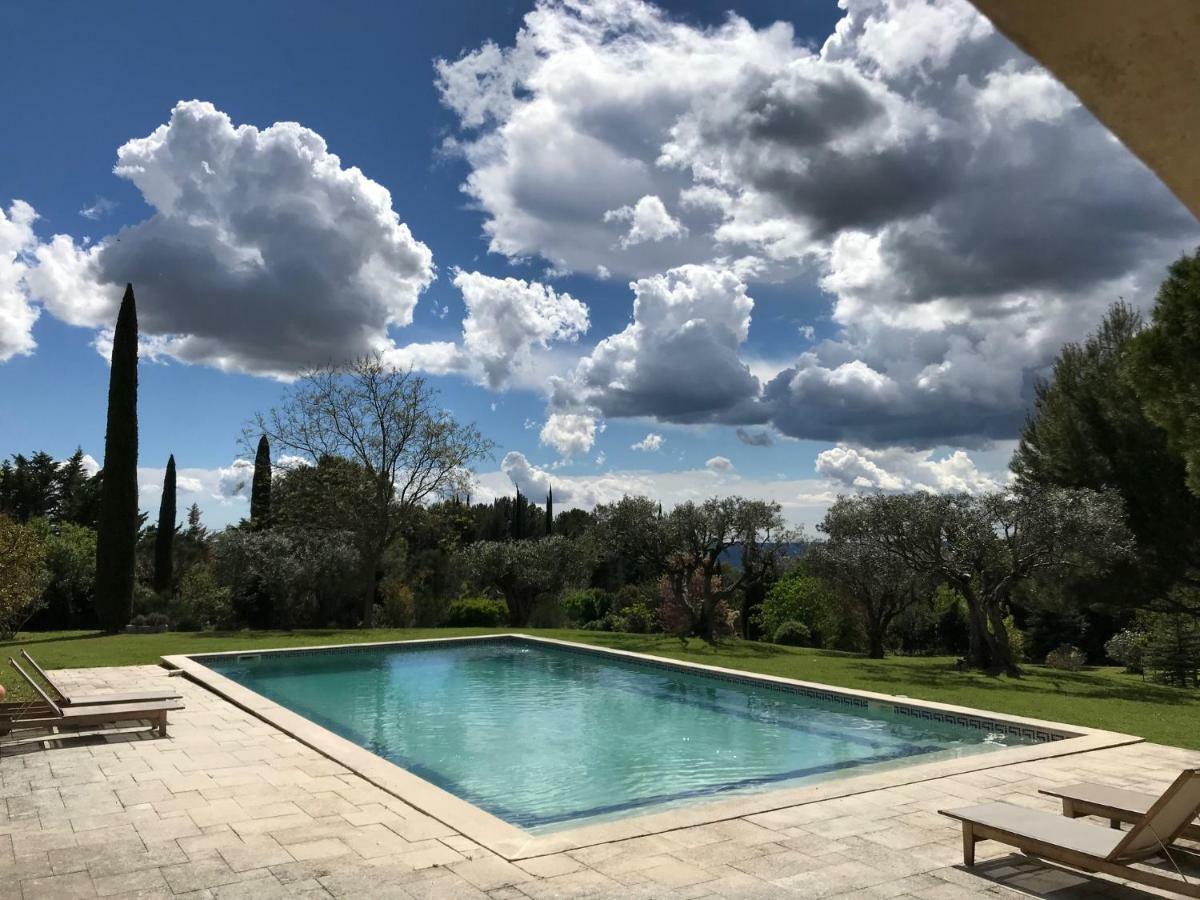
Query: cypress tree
(518, 517)
(164, 538)
(116, 536)
(549, 511)
(260, 487)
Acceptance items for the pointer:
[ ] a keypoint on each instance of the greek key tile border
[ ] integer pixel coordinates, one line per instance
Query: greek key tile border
(1037, 735)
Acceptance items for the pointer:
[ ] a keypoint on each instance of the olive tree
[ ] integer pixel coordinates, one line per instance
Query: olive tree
(524, 573)
(877, 587)
(390, 423)
(985, 546)
(696, 535)
(628, 540)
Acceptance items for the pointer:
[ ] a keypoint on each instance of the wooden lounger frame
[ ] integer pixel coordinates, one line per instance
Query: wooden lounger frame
(35, 716)
(1075, 807)
(100, 699)
(1116, 863)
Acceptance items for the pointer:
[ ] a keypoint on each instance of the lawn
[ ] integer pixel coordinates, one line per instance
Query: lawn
(1098, 697)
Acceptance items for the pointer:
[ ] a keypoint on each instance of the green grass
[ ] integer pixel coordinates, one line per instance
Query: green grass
(1098, 697)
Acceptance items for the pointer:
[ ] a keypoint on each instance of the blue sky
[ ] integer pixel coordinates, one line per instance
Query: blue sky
(812, 174)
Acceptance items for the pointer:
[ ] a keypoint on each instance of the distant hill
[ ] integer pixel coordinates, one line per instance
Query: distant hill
(733, 556)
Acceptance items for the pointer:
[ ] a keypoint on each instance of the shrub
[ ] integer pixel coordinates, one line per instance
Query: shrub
(586, 605)
(23, 575)
(279, 580)
(953, 630)
(635, 609)
(71, 561)
(913, 631)
(259, 568)
(1016, 639)
(429, 609)
(548, 613)
(1128, 647)
(793, 634)
(1173, 650)
(1066, 657)
(637, 618)
(398, 609)
(634, 595)
(150, 620)
(146, 600)
(203, 604)
(801, 597)
(476, 612)
(608, 623)
(1048, 630)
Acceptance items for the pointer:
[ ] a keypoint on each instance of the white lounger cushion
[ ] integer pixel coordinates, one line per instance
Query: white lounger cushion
(1050, 828)
(1103, 795)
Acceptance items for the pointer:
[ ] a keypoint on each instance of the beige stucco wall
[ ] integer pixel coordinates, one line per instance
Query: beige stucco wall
(1134, 63)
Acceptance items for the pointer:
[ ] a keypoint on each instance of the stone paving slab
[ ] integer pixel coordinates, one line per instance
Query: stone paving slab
(227, 806)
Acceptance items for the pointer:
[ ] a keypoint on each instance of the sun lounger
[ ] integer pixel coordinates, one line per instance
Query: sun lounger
(65, 699)
(48, 714)
(1091, 848)
(1115, 804)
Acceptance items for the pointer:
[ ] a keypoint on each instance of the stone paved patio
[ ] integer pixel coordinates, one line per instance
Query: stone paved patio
(227, 806)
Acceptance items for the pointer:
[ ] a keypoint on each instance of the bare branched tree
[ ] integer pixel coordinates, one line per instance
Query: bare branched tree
(389, 422)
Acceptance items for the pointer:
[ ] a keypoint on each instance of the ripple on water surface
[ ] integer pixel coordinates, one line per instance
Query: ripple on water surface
(548, 738)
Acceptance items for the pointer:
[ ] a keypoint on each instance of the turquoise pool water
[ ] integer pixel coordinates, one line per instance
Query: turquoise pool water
(547, 738)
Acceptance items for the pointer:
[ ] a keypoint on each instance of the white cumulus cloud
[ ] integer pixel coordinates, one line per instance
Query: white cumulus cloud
(570, 433)
(651, 443)
(264, 253)
(678, 360)
(234, 480)
(962, 211)
(803, 500)
(898, 469)
(17, 313)
(507, 320)
(719, 465)
(648, 220)
(98, 209)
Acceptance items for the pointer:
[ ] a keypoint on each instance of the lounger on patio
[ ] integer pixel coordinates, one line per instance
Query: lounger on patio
(1091, 848)
(65, 699)
(48, 714)
(1115, 804)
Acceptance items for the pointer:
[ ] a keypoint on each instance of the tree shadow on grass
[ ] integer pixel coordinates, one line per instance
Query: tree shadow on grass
(745, 650)
(53, 638)
(255, 635)
(1082, 684)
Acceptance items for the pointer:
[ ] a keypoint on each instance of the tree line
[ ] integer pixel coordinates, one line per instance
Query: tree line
(361, 514)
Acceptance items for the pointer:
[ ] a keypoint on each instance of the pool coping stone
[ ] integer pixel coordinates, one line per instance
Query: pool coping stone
(513, 843)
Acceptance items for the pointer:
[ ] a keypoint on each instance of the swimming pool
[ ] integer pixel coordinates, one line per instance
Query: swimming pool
(547, 736)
